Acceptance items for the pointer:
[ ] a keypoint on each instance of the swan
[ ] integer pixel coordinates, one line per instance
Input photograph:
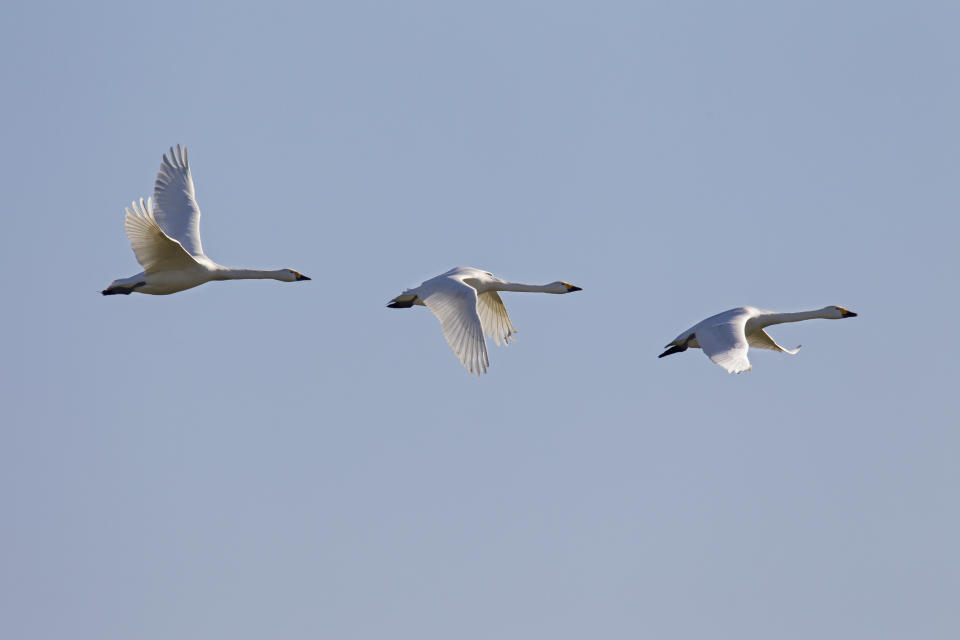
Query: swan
(466, 302)
(166, 239)
(726, 337)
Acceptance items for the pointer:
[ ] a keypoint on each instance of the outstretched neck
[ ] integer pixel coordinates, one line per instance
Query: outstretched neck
(537, 288)
(225, 273)
(768, 319)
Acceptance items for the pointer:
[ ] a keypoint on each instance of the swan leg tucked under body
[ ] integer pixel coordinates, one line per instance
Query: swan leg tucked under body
(466, 302)
(726, 337)
(165, 235)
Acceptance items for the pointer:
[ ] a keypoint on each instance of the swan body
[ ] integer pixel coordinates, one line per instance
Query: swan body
(466, 302)
(165, 235)
(726, 337)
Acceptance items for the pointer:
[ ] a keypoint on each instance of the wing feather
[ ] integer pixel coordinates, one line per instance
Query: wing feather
(760, 339)
(455, 305)
(177, 211)
(493, 317)
(155, 250)
(724, 342)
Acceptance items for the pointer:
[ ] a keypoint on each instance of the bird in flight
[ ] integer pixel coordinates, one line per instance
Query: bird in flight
(726, 337)
(165, 235)
(466, 302)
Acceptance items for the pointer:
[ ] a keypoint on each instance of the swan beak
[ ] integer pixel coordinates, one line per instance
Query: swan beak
(571, 288)
(300, 276)
(848, 314)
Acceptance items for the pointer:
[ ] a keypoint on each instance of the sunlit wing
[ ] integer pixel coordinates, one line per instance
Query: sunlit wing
(725, 342)
(177, 211)
(760, 339)
(455, 305)
(493, 317)
(155, 250)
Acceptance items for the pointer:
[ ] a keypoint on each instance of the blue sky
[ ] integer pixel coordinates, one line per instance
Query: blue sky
(258, 459)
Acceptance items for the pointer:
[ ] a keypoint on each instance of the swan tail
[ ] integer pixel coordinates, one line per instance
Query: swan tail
(672, 350)
(114, 290)
(403, 302)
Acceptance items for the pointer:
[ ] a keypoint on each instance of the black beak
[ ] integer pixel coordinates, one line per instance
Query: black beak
(573, 288)
(849, 314)
(300, 276)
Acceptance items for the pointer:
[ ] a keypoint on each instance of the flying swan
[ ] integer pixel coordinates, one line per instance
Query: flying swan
(726, 336)
(466, 302)
(165, 236)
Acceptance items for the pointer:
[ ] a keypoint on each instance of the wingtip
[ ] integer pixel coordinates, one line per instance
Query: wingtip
(178, 157)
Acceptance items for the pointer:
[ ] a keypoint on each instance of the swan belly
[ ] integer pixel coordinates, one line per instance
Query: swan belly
(164, 283)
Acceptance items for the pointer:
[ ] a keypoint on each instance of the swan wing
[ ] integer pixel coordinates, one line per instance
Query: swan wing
(177, 212)
(155, 250)
(493, 317)
(725, 343)
(455, 305)
(760, 339)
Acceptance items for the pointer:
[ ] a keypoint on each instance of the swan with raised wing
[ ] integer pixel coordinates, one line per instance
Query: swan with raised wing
(165, 235)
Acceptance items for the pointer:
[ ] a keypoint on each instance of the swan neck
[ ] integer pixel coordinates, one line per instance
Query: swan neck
(248, 274)
(517, 286)
(768, 319)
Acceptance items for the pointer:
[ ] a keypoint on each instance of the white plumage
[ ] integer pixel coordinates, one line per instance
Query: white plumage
(165, 236)
(466, 302)
(726, 337)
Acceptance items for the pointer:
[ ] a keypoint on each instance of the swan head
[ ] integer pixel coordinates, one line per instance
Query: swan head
(563, 287)
(839, 312)
(291, 275)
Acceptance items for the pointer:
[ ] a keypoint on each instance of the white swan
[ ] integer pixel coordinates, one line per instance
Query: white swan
(466, 302)
(726, 336)
(166, 239)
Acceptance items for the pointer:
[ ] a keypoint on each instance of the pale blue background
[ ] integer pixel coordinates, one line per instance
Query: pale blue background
(267, 460)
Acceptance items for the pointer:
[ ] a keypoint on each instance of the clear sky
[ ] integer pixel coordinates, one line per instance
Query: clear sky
(258, 459)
